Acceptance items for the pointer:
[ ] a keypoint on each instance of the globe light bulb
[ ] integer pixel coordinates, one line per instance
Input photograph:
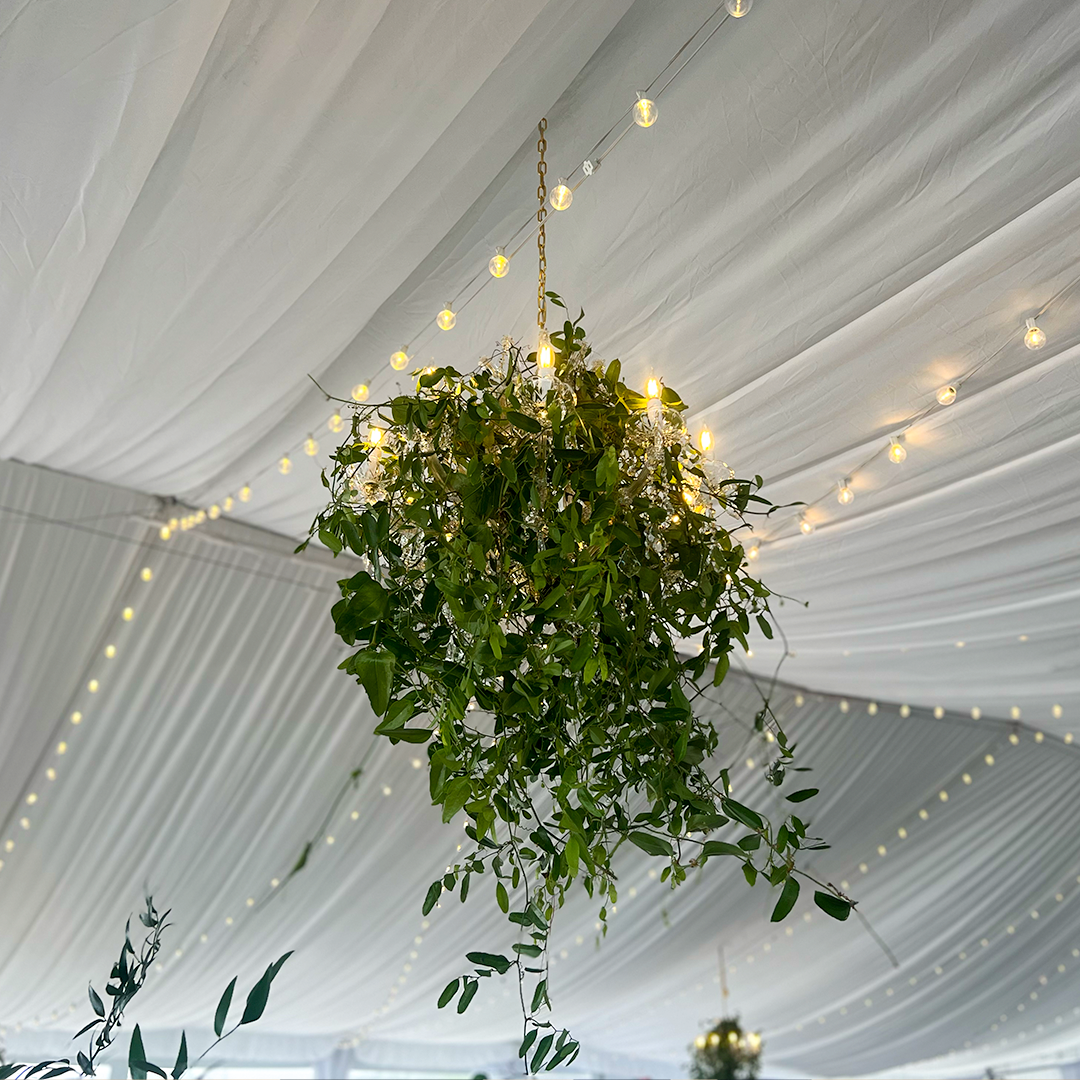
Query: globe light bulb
(360, 392)
(375, 435)
(545, 361)
(399, 360)
(705, 440)
(753, 551)
(652, 389)
(200, 516)
(164, 532)
(753, 1040)
(311, 447)
(1034, 338)
(699, 1042)
(738, 8)
(806, 527)
(285, 465)
(845, 495)
(499, 264)
(561, 196)
(897, 453)
(335, 423)
(245, 493)
(714, 1038)
(214, 512)
(733, 1037)
(227, 503)
(146, 574)
(446, 318)
(645, 111)
(110, 654)
(946, 395)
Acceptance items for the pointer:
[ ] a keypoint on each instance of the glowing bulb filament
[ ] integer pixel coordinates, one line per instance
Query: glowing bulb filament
(946, 395)
(545, 361)
(1034, 338)
(705, 440)
(897, 453)
(446, 318)
(375, 435)
(499, 264)
(561, 196)
(399, 360)
(645, 111)
(845, 495)
(652, 389)
(805, 525)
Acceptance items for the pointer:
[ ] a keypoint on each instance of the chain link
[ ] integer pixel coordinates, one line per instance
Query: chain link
(541, 215)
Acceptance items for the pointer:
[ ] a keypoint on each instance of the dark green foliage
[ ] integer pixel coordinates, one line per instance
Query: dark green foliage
(725, 1052)
(534, 555)
(126, 980)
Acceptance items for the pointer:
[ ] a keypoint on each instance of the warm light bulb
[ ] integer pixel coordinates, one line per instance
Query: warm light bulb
(714, 1038)
(110, 652)
(227, 503)
(311, 447)
(752, 552)
(245, 493)
(705, 440)
(375, 435)
(733, 1037)
(499, 264)
(446, 318)
(699, 1042)
(127, 614)
(753, 1040)
(285, 465)
(335, 423)
(164, 532)
(360, 392)
(845, 495)
(214, 512)
(146, 573)
(561, 196)
(399, 360)
(545, 361)
(897, 453)
(652, 389)
(738, 8)
(1034, 338)
(92, 686)
(174, 524)
(645, 111)
(946, 395)
(200, 516)
(805, 526)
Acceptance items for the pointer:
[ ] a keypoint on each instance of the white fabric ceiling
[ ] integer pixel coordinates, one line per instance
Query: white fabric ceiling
(844, 205)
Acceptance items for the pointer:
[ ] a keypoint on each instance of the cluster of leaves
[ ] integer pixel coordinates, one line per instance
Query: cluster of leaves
(725, 1052)
(535, 550)
(125, 980)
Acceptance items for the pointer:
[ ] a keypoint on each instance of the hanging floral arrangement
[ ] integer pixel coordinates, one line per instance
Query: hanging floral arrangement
(539, 543)
(726, 1052)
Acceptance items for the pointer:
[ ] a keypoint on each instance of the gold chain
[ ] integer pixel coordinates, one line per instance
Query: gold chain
(541, 214)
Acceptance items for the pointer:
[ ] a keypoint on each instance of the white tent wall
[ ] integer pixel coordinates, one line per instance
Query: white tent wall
(221, 732)
(844, 205)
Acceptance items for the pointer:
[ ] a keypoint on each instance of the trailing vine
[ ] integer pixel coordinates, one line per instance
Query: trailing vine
(538, 549)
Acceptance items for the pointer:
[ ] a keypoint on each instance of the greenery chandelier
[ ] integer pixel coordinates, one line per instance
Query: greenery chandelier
(538, 539)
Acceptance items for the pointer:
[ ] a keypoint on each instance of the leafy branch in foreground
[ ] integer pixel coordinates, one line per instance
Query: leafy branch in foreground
(536, 546)
(126, 979)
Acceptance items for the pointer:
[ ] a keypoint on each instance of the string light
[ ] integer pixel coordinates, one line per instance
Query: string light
(446, 318)
(844, 494)
(360, 392)
(227, 503)
(311, 447)
(753, 551)
(499, 264)
(128, 614)
(164, 532)
(399, 360)
(214, 512)
(806, 527)
(561, 196)
(110, 652)
(335, 423)
(146, 574)
(946, 395)
(245, 493)
(285, 465)
(645, 111)
(897, 453)
(738, 8)
(1034, 338)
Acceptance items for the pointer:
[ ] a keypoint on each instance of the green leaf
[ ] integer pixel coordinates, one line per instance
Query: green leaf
(607, 469)
(742, 814)
(448, 993)
(471, 986)
(259, 994)
(375, 670)
(802, 796)
(523, 422)
(136, 1056)
(788, 895)
(434, 892)
(501, 898)
(95, 1002)
(181, 1058)
(529, 1039)
(562, 1055)
(526, 950)
(749, 873)
(541, 1051)
(222, 1010)
(766, 629)
(652, 845)
(833, 906)
(539, 995)
(491, 960)
(456, 794)
(721, 847)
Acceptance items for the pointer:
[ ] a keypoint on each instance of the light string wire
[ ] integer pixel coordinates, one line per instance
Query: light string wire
(529, 226)
(924, 411)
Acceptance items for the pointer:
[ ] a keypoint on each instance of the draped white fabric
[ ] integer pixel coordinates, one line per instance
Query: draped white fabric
(844, 205)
